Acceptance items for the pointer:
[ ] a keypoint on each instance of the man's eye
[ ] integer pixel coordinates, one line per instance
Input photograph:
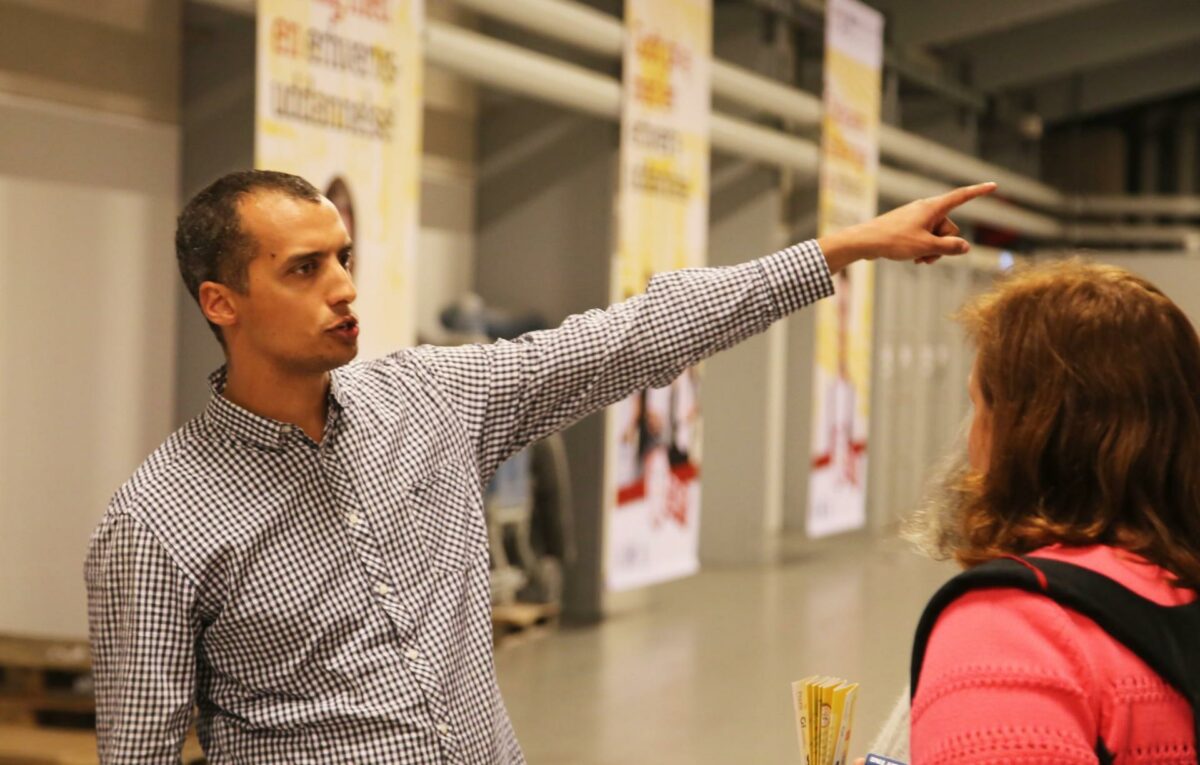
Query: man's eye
(346, 259)
(306, 268)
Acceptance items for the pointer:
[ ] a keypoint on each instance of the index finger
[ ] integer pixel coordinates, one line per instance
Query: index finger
(960, 196)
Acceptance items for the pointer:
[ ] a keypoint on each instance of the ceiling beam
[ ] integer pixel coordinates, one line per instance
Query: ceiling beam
(943, 22)
(1091, 39)
(1117, 86)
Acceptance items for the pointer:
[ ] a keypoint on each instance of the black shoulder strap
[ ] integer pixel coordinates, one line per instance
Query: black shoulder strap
(1166, 638)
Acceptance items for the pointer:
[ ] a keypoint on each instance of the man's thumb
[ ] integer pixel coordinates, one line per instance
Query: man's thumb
(948, 245)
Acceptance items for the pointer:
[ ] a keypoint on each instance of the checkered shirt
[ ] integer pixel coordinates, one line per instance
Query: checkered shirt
(329, 602)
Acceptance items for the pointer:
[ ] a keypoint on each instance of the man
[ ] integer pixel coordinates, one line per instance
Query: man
(307, 559)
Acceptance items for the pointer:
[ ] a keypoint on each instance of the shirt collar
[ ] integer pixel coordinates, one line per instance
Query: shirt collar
(255, 429)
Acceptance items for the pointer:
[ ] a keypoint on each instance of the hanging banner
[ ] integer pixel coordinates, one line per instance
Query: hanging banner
(653, 529)
(339, 103)
(848, 190)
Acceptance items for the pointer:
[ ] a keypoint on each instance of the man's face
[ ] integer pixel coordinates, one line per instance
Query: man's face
(295, 313)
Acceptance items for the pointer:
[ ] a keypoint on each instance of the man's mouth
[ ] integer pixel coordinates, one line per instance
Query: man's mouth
(346, 329)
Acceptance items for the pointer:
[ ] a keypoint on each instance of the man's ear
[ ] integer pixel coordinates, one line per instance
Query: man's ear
(218, 303)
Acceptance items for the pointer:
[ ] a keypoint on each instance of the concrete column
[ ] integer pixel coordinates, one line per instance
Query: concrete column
(1187, 140)
(743, 389)
(547, 180)
(218, 138)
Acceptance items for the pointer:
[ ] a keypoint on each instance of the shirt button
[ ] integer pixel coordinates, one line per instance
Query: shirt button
(383, 589)
(412, 653)
(443, 729)
(354, 519)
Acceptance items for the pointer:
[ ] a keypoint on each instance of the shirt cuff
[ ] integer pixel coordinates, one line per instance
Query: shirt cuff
(797, 276)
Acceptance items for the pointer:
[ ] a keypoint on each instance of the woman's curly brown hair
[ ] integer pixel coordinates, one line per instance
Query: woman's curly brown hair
(1092, 378)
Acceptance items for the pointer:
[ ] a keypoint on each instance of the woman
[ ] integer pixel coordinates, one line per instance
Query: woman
(1084, 448)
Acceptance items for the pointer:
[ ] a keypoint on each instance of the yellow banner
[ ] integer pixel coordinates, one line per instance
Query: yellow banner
(848, 194)
(339, 103)
(662, 224)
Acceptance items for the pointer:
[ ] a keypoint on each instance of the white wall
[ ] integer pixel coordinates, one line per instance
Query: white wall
(89, 156)
(1178, 277)
(87, 300)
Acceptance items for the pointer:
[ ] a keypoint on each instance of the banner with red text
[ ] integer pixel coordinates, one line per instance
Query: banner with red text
(848, 195)
(339, 103)
(653, 518)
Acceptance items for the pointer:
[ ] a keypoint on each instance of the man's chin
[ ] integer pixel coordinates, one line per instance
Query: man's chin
(340, 351)
(330, 360)
(344, 356)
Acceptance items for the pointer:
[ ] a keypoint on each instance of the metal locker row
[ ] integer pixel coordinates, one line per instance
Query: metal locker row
(922, 362)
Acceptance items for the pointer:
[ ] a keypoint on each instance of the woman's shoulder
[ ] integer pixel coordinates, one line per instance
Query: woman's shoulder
(1015, 630)
(1128, 569)
(1004, 678)
(1009, 654)
(993, 637)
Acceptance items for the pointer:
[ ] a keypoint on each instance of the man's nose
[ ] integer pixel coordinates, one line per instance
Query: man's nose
(343, 289)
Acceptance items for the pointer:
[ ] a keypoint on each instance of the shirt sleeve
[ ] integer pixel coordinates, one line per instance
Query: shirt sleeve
(143, 629)
(512, 393)
(1004, 681)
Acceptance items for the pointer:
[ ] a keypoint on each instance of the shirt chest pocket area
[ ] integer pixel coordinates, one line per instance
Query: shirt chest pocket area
(448, 517)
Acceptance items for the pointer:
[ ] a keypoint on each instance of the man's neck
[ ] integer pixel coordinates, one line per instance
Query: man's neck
(267, 391)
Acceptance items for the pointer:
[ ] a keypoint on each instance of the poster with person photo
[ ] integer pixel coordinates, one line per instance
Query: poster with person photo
(653, 487)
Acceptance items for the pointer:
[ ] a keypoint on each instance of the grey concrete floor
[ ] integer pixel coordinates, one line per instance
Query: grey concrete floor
(700, 674)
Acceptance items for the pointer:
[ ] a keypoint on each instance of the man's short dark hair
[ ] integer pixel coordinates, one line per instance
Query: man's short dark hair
(210, 244)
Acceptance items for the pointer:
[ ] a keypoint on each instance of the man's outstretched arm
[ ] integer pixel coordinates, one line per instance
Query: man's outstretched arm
(511, 393)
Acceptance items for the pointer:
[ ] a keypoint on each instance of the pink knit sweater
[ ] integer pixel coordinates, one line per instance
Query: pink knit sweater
(1012, 677)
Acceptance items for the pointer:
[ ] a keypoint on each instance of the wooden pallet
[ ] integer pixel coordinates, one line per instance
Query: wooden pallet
(45, 681)
(514, 621)
(29, 745)
(47, 710)
(26, 744)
